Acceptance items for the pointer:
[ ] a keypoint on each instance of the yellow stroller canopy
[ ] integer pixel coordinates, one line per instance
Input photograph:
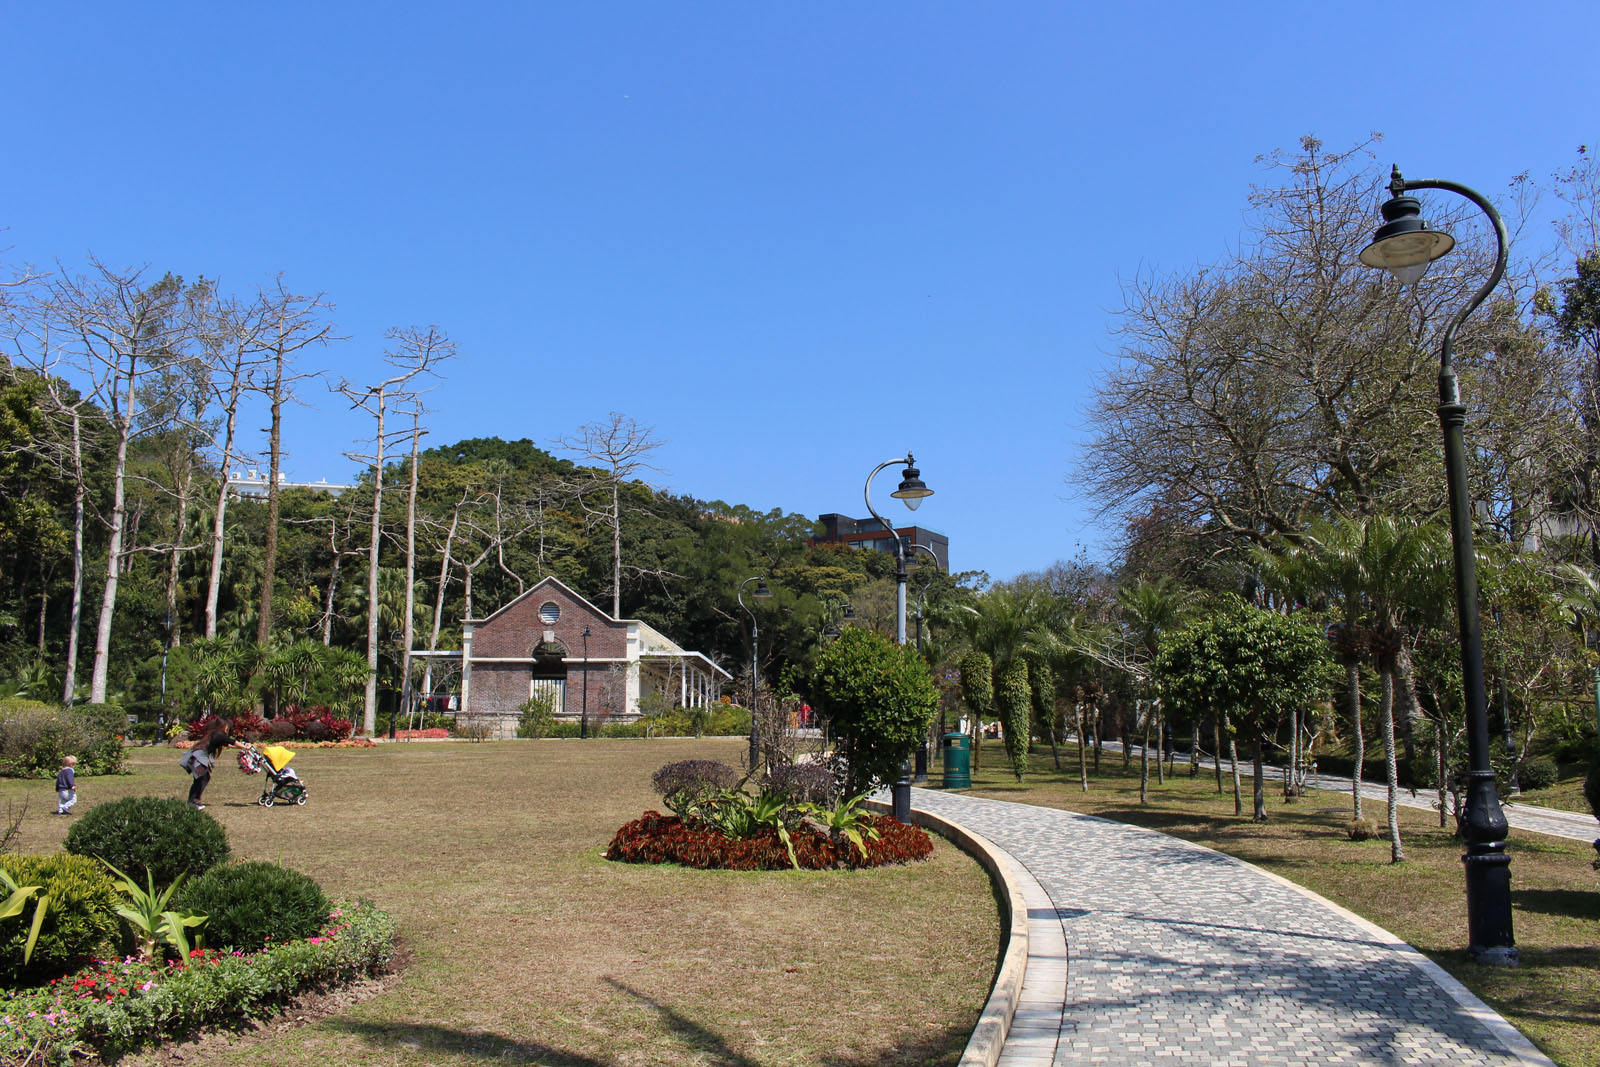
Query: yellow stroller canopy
(277, 755)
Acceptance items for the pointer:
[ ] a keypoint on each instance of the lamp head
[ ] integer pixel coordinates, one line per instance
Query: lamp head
(849, 612)
(1404, 245)
(761, 589)
(912, 489)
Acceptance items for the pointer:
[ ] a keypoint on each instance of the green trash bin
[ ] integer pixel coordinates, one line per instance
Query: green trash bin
(956, 749)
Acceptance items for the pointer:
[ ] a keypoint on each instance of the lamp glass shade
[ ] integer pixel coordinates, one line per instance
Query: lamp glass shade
(912, 489)
(761, 589)
(1407, 254)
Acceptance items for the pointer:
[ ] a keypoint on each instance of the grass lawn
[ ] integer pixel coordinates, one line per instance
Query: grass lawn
(1554, 997)
(526, 946)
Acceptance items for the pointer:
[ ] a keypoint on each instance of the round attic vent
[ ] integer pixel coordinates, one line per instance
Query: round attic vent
(549, 613)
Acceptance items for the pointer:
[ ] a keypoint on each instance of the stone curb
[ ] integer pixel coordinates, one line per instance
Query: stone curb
(989, 1036)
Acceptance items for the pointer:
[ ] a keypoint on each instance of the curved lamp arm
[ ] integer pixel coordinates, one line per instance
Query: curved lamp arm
(866, 493)
(1399, 185)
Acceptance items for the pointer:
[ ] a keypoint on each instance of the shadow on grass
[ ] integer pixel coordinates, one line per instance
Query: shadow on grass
(692, 1033)
(943, 1047)
(475, 1043)
(1573, 903)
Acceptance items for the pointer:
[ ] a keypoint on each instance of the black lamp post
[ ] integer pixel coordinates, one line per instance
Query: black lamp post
(911, 491)
(761, 590)
(583, 722)
(1405, 245)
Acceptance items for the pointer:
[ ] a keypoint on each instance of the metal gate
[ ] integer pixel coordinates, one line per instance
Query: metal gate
(554, 690)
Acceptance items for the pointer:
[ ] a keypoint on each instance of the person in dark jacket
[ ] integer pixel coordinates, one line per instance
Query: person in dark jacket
(67, 785)
(199, 762)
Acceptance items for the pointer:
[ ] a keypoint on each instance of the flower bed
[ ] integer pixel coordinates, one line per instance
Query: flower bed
(658, 838)
(432, 733)
(112, 1008)
(349, 742)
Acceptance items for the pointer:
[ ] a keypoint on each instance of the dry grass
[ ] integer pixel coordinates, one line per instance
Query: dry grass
(528, 947)
(1554, 997)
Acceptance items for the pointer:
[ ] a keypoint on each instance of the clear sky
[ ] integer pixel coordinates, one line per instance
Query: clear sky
(797, 239)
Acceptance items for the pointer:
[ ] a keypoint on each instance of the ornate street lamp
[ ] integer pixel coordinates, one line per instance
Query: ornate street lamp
(583, 723)
(911, 491)
(1405, 245)
(762, 591)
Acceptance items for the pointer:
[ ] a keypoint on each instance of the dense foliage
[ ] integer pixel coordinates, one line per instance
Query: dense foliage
(115, 1007)
(161, 835)
(658, 838)
(35, 736)
(878, 698)
(250, 905)
(80, 921)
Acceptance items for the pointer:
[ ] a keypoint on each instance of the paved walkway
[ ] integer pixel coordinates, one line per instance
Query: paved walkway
(1181, 955)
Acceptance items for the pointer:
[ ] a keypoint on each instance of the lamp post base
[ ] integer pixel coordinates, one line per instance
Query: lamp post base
(900, 795)
(1489, 937)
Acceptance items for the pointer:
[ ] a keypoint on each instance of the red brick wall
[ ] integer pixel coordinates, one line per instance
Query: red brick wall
(499, 688)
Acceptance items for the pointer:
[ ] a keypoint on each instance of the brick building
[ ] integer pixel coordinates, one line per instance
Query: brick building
(869, 533)
(536, 644)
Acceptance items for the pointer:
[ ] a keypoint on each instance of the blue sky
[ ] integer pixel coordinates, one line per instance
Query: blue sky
(797, 239)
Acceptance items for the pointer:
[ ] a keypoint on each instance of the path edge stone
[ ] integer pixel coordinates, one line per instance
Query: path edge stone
(994, 1022)
(1513, 1041)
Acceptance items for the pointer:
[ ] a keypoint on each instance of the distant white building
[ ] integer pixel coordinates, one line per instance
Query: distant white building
(252, 484)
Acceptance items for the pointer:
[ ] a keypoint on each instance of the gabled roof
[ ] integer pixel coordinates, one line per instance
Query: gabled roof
(565, 588)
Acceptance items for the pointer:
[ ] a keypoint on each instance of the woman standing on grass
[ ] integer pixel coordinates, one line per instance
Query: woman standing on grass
(199, 761)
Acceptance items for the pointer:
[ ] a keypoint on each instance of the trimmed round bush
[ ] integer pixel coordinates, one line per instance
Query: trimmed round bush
(80, 923)
(162, 834)
(249, 904)
(1538, 772)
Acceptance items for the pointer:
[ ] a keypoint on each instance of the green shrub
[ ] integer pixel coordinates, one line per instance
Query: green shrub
(565, 729)
(1538, 772)
(80, 921)
(880, 697)
(538, 716)
(163, 835)
(250, 904)
(34, 736)
(621, 729)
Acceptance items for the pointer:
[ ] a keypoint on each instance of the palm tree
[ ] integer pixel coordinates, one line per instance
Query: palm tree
(1000, 624)
(1382, 572)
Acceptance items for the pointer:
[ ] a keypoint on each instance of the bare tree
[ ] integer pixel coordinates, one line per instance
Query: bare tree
(413, 351)
(288, 323)
(619, 447)
(123, 330)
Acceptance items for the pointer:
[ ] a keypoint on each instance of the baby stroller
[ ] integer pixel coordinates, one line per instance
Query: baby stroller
(273, 760)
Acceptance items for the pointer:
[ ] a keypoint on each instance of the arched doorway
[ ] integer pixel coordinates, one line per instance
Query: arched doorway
(550, 675)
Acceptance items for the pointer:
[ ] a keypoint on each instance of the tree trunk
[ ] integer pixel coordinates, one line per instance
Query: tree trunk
(1386, 678)
(1358, 743)
(1194, 750)
(1161, 743)
(75, 614)
(1258, 785)
(1216, 731)
(269, 549)
(1144, 753)
(1438, 743)
(369, 709)
(408, 626)
(1083, 747)
(1233, 758)
(108, 602)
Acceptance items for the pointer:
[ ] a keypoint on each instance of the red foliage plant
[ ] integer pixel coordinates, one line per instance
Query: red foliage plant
(658, 838)
(303, 724)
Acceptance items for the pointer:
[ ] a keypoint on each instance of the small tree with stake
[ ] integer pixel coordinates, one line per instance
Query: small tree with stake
(1250, 666)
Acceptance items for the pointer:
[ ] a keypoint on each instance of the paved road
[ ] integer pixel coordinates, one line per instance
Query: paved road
(1179, 954)
(1574, 826)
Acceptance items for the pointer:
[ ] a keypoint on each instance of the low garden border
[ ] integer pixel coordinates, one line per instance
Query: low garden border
(994, 1023)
